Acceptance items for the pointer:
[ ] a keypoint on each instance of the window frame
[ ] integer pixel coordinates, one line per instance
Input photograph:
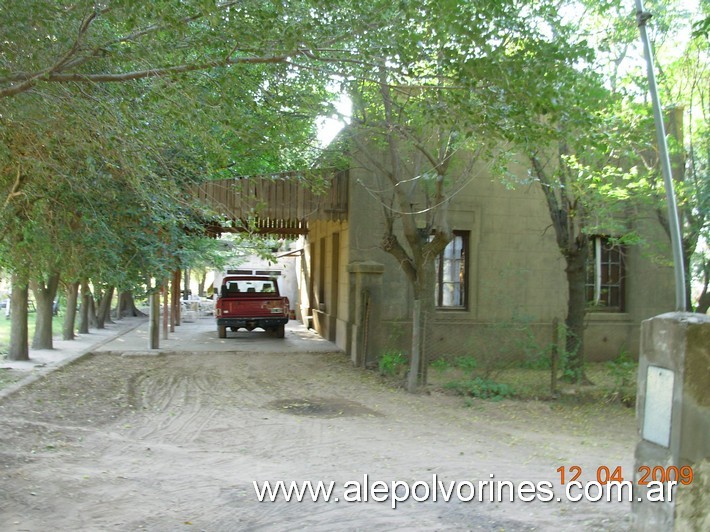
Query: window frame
(464, 259)
(605, 291)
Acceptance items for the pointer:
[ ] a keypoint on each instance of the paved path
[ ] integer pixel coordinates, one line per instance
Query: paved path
(131, 335)
(200, 335)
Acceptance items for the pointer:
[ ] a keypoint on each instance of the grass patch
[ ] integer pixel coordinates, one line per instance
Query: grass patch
(613, 382)
(481, 388)
(8, 377)
(57, 322)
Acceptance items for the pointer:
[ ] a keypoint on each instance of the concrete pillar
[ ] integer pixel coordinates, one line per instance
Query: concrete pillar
(365, 305)
(673, 415)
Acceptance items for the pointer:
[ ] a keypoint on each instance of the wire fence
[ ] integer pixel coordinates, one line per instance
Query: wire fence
(506, 358)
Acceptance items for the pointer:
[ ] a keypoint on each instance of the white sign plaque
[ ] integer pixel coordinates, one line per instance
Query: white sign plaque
(659, 405)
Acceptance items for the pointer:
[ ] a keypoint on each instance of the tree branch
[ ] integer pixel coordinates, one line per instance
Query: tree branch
(558, 216)
(141, 74)
(15, 191)
(392, 245)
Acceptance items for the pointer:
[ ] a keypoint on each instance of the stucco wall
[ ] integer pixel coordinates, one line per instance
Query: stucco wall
(515, 269)
(325, 263)
(516, 272)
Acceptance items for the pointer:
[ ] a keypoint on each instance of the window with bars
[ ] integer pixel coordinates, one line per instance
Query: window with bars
(606, 273)
(452, 273)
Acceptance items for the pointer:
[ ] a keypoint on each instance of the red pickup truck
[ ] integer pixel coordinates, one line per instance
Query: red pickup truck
(248, 302)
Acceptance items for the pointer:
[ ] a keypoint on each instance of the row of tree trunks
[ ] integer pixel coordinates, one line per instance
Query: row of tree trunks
(103, 314)
(169, 290)
(91, 313)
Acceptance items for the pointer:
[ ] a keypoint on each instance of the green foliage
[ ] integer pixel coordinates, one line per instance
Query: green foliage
(392, 363)
(480, 388)
(623, 370)
(539, 359)
(440, 365)
(96, 177)
(702, 28)
(466, 363)
(470, 384)
(678, 34)
(510, 343)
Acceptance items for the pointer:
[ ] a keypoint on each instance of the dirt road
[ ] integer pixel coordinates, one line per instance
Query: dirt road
(174, 442)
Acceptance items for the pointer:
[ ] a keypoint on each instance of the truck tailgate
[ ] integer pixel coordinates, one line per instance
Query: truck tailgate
(254, 308)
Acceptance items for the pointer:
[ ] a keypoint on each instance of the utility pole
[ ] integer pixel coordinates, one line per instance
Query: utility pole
(642, 17)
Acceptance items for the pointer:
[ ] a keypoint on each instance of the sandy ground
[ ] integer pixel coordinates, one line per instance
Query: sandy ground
(132, 441)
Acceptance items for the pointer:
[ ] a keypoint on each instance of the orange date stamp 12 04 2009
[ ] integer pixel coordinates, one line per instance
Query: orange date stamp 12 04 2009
(657, 483)
(604, 474)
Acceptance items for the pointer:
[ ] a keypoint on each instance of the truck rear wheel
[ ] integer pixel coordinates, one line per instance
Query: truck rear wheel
(280, 331)
(222, 330)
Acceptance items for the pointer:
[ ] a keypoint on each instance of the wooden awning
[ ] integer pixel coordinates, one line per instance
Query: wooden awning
(279, 204)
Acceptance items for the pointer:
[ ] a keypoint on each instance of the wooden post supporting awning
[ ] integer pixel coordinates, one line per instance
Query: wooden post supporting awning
(278, 204)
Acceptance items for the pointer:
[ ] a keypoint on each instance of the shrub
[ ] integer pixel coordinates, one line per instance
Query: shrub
(623, 370)
(466, 363)
(392, 363)
(481, 388)
(440, 365)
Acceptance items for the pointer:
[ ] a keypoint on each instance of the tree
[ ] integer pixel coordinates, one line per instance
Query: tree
(553, 108)
(126, 40)
(684, 86)
(446, 85)
(413, 190)
(682, 64)
(82, 147)
(584, 183)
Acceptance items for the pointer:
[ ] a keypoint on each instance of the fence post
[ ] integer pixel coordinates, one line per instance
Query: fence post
(554, 356)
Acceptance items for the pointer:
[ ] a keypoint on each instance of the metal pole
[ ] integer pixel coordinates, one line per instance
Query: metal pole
(676, 243)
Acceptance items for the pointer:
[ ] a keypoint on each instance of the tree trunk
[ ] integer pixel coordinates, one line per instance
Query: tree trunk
(44, 300)
(166, 308)
(19, 336)
(93, 318)
(127, 305)
(422, 306)
(201, 284)
(154, 336)
(86, 301)
(68, 327)
(688, 250)
(703, 303)
(175, 320)
(103, 313)
(576, 310)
